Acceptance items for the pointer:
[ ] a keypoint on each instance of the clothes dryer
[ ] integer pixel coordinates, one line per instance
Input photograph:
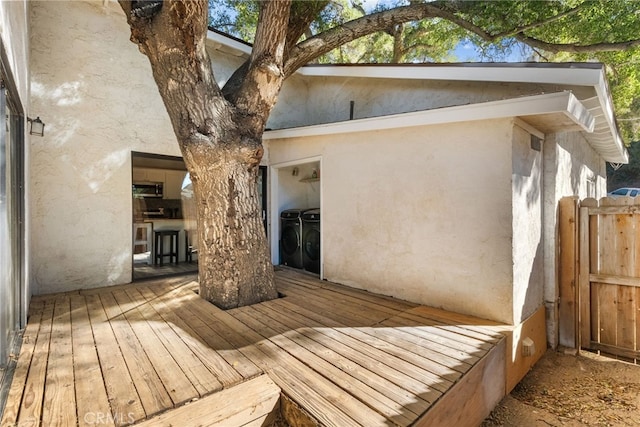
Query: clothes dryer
(311, 240)
(291, 237)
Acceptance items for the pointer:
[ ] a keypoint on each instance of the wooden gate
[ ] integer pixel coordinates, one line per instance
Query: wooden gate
(604, 241)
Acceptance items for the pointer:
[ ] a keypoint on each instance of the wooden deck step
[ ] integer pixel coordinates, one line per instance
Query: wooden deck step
(250, 403)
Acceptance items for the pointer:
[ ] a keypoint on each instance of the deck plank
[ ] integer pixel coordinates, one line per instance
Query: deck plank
(157, 353)
(193, 368)
(27, 351)
(33, 396)
(217, 365)
(171, 376)
(340, 339)
(59, 398)
(371, 397)
(91, 394)
(440, 332)
(236, 406)
(182, 301)
(296, 375)
(380, 394)
(298, 278)
(121, 390)
(395, 346)
(454, 349)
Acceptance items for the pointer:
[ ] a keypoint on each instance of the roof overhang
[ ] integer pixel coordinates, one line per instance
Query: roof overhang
(604, 136)
(548, 113)
(227, 44)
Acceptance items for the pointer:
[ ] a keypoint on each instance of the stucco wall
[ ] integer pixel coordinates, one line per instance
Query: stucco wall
(95, 92)
(528, 245)
(421, 213)
(93, 89)
(571, 168)
(328, 98)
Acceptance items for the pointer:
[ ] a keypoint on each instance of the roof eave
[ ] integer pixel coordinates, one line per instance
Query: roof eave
(554, 112)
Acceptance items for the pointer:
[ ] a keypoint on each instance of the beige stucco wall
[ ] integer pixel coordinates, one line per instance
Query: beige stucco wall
(93, 89)
(421, 213)
(95, 92)
(528, 244)
(571, 168)
(328, 98)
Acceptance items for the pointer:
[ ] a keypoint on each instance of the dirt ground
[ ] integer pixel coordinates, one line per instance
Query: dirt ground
(567, 390)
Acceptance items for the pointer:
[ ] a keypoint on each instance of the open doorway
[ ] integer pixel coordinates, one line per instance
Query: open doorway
(296, 209)
(163, 218)
(164, 222)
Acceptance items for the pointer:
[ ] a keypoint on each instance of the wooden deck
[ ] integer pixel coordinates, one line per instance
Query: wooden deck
(125, 354)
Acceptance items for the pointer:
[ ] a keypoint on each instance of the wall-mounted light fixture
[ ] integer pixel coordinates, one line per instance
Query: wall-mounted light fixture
(37, 127)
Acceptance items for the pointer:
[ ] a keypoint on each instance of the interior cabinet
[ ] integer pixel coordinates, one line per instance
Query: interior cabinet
(148, 175)
(173, 184)
(171, 180)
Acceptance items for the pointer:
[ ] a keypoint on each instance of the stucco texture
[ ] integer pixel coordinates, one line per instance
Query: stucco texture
(572, 168)
(93, 89)
(421, 213)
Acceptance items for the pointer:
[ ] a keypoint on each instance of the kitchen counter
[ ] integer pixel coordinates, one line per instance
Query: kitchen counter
(173, 223)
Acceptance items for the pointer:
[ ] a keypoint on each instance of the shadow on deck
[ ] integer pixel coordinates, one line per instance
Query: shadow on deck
(337, 356)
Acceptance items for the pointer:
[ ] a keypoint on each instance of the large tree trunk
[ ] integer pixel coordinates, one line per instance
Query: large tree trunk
(233, 256)
(220, 140)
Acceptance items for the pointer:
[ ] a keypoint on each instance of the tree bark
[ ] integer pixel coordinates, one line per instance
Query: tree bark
(220, 142)
(233, 256)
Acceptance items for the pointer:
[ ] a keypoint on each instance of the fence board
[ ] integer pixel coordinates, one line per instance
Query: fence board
(610, 261)
(586, 263)
(609, 275)
(568, 272)
(626, 318)
(636, 308)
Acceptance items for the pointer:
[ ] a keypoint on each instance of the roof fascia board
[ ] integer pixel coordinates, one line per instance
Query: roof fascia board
(229, 42)
(604, 95)
(561, 102)
(511, 74)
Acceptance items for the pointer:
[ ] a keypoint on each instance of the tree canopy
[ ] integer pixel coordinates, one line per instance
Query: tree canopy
(606, 31)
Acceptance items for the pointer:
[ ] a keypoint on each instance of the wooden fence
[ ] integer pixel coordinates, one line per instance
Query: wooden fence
(599, 266)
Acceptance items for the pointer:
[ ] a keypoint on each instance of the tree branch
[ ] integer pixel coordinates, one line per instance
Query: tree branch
(173, 39)
(576, 48)
(320, 44)
(533, 25)
(256, 84)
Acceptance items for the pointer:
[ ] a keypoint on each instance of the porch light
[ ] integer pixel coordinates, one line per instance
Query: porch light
(37, 127)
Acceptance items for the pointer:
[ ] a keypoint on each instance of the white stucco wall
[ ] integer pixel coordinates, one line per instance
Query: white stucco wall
(422, 213)
(328, 98)
(528, 245)
(93, 89)
(95, 92)
(571, 168)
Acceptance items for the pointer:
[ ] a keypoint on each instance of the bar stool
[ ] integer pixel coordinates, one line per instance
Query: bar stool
(160, 254)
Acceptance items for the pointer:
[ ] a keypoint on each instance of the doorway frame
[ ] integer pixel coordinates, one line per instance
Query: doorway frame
(13, 266)
(275, 207)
